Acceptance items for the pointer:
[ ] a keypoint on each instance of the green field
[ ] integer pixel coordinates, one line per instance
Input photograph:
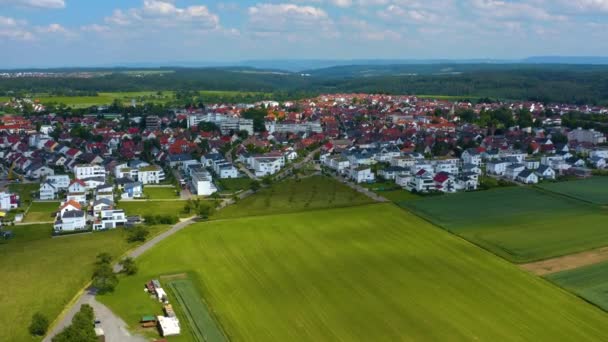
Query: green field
(366, 273)
(234, 184)
(143, 208)
(160, 193)
(589, 282)
(519, 224)
(296, 195)
(41, 212)
(40, 273)
(26, 191)
(594, 190)
(200, 321)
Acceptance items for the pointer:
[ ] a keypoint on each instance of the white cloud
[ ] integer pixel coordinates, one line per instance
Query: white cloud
(398, 13)
(14, 29)
(366, 31)
(287, 18)
(53, 4)
(166, 14)
(586, 5)
(512, 10)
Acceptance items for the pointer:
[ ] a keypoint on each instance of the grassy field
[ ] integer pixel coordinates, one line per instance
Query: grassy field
(25, 191)
(519, 224)
(367, 273)
(142, 208)
(41, 212)
(234, 184)
(594, 190)
(589, 282)
(40, 273)
(160, 192)
(200, 321)
(291, 195)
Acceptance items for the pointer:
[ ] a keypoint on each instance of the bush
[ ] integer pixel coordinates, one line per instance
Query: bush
(82, 328)
(104, 278)
(160, 219)
(39, 324)
(128, 266)
(138, 234)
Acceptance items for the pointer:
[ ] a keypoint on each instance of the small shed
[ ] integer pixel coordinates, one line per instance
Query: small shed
(169, 326)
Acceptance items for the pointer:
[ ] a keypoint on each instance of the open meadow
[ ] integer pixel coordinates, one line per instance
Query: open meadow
(41, 212)
(594, 190)
(42, 274)
(589, 282)
(365, 273)
(519, 224)
(160, 192)
(295, 195)
(143, 208)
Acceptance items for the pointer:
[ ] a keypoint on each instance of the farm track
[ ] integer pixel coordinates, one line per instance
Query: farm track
(567, 262)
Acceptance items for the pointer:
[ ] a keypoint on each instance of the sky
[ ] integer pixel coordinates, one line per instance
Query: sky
(51, 33)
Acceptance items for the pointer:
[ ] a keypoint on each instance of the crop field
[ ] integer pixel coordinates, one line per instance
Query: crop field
(160, 192)
(366, 273)
(292, 195)
(519, 224)
(594, 190)
(202, 324)
(143, 208)
(589, 282)
(40, 273)
(41, 212)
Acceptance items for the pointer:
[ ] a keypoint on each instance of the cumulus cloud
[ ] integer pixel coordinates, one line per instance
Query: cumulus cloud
(53, 4)
(166, 14)
(14, 29)
(276, 18)
(512, 10)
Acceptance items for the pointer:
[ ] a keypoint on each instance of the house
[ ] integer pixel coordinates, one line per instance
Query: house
(69, 205)
(392, 172)
(152, 174)
(362, 174)
(264, 166)
(527, 177)
(472, 168)
(421, 182)
(532, 164)
(132, 190)
(202, 183)
(444, 182)
(471, 156)
(93, 183)
(109, 219)
(47, 191)
(37, 171)
(545, 172)
(85, 171)
(598, 162)
(70, 221)
(8, 201)
(466, 183)
(100, 205)
(60, 182)
(514, 170)
(77, 185)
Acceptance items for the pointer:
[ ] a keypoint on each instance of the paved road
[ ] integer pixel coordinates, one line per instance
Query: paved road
(115, 329)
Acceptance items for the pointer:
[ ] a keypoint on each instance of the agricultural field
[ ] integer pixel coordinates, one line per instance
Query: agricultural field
(519, 224)
(40, 273)
(366, 273)
(41, 212)
(143, 208)
(296, 195)
(160, 192)
(589, 282)
(594, 190)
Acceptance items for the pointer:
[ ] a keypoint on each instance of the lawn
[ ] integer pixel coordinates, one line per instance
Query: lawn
(143, 208)
(41, 212)
(594, 190)
(160, 192)
(234, 184)
(589, 282)
(295, 195)
(40, 273)
(25, 191)
(519, 224)
(367, 273)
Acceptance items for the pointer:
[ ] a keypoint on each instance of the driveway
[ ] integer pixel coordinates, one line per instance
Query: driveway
(115, 329)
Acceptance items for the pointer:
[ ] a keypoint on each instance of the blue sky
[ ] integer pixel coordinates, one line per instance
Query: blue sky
(42, 33)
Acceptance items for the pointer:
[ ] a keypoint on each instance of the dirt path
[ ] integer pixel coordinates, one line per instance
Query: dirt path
(567, 262)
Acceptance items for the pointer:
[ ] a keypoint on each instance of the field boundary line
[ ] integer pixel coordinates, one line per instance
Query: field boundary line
(561, 194)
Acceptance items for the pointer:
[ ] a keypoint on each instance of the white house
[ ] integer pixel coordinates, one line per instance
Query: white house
(362, 174)
(132, 190)
(266, 166)
(77, 185)
(86, 171)
(497, 167)
(71, 221)
(545, 172)
(110, 219)
(202, 183)
(39, 171)
(60, 182)
(392, 172)
(421, 183)
(527, 177)
(8, 201)
(47, 191)
(471, 156)
(514, 170)
(152, 174)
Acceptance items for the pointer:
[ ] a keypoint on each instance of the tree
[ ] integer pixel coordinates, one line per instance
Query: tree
(104, 279)
(39, 324)
(138, 234)
(103, 258)
(128, 266)
(205, 211)
(82, 328)
(254, 186)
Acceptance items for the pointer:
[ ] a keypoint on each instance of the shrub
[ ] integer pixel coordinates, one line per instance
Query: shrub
(39, 324)
(138, 234)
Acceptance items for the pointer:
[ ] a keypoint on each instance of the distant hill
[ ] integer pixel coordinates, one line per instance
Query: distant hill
(566, 60)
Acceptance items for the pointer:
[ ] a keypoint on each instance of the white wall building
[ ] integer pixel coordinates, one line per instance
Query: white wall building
(89, 171)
